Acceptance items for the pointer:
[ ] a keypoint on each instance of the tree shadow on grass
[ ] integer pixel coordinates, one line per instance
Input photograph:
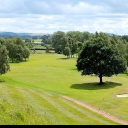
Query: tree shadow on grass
(95, 86)
(75, 69)
(1, 81)
(63, 59)
(24, 61)
(126, 73)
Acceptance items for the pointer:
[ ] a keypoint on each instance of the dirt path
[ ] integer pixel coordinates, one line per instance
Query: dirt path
(97, 111)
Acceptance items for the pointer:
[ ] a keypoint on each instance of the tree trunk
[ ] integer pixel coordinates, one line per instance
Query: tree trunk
(12, 60)
(101, 80)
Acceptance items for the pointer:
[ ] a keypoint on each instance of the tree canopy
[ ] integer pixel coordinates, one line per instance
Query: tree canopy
(100, 57)
(4, 64)
(17, 49)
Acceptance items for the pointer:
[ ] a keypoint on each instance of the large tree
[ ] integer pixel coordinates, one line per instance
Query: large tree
(57, 40)
(67, 52)
(4, 64)
(100, 57)
(17, 49)
(12, 49)
(26, 53)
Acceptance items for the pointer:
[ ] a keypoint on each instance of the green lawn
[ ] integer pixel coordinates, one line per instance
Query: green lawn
(37, 40)
(39, 47)
(31, 93)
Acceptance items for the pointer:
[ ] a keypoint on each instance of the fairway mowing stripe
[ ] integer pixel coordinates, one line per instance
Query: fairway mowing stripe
(97, 111)
(88, 114)
(5, 94)
(62, 109)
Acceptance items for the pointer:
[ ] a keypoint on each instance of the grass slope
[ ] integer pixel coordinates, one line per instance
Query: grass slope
(31, 93)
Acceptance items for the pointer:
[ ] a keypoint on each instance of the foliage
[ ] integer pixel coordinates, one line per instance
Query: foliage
(61, 41)
(67, 52)
(29, 43)
(101, 58)
(57, 39)
(17, 49)
(4, 64)
(46, 39)
(26, 53)
(47, 49)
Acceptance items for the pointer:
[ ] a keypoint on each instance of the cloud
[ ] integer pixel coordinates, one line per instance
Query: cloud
(52, 23)
(48, 16)
(82, 8)
(63, 7)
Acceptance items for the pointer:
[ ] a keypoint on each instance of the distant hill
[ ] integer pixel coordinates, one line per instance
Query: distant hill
(110, 34)
(22, 35)
(32, 35)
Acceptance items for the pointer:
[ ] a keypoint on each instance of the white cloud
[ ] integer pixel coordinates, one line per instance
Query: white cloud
(48, 16)
(83, 8)
(52, 23)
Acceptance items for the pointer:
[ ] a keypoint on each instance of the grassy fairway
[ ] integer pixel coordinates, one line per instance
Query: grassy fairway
(31, 93)
(39, 47)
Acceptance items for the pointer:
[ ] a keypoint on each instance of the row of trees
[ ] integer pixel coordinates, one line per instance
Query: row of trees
(100, 54)
(72, 42)
(69, 43)
(12, 49)
(17, 49)
(46, 39)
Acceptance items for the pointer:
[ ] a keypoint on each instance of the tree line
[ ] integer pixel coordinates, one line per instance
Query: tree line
(69, 43)
(98, 54)
(14, 50)
(72, 42)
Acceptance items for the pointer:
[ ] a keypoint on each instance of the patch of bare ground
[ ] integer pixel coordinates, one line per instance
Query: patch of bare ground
(122, 95)
(110, 117)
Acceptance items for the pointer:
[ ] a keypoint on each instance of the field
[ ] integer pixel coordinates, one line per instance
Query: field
(32, 93)
(39, 47)
(37, 40)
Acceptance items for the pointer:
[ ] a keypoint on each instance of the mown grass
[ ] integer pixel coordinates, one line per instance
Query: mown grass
(37, 40)
(31, 93)
(39, 47)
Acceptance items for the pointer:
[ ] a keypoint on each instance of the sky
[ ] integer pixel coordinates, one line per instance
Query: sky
(49, 16)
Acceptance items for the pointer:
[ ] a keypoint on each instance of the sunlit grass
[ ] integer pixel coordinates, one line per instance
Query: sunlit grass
(39, 83)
